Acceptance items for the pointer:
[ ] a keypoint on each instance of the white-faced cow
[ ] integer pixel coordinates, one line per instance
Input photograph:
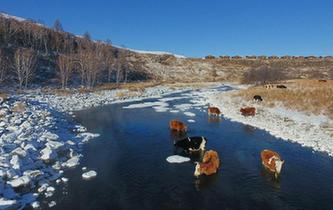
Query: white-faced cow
(272, 161)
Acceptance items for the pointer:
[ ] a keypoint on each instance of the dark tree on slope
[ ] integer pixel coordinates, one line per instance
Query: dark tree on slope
(57, 26)
(25, 65)
(4, 63)
(86, 35)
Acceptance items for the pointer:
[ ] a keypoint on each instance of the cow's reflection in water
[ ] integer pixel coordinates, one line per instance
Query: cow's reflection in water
(175, 135)
(271, 180)
(214, 119)
(203, 182)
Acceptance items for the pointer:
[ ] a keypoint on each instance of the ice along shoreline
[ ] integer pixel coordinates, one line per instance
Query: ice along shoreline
(39, 140)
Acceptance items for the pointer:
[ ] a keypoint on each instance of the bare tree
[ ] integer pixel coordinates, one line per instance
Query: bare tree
(86, 35)
(3, 65)
(10, 28)
(57, 26)
(91, 64)
(25, 63)
(65, 69)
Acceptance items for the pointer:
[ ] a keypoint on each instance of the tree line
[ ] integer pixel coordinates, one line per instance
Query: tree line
(23, 43)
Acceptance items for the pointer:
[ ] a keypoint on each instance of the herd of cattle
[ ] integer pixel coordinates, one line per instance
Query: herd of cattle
(210, 162)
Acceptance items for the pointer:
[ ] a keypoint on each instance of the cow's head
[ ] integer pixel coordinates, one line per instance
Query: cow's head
(197, 169)
(278, 167)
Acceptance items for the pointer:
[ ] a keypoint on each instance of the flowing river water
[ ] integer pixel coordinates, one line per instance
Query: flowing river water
(130, 159)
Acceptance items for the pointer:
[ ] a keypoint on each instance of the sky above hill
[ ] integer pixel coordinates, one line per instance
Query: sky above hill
(194, 28)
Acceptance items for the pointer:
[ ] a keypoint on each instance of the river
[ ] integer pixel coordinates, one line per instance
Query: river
(130, 159)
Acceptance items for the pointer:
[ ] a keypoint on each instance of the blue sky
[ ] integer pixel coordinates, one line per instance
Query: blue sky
(194, 27)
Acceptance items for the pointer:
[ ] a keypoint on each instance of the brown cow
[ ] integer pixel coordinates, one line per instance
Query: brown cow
(214, 111)
(248, 111)
(178, 126)
(272, 161)
(209, 165)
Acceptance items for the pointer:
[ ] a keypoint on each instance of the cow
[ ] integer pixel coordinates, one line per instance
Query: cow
(209, 165)
(178, 126)
(281, 86)
(214, 111)
(192, 144)
(271, 161)
(269, 86)
(257, 98)
(248, 111)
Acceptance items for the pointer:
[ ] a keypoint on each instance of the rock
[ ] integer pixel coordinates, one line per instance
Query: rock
(35, 204)
(52, 203)
(55, 145)
(8, 204)
(42, 188)
(84, 168)
(19, 151)
(21, 181)
(89, 175)
(64, 179)
(50, 189)
(16, 162)
(48, 154)
(177, 159)
(72, 162)
(34, 174)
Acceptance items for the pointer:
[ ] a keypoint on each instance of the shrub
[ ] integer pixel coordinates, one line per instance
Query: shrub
(263, 75)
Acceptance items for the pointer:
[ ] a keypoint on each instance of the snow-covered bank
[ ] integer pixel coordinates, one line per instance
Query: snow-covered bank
(38, 140)
(309, 131)
(80, 101)
(36, 144)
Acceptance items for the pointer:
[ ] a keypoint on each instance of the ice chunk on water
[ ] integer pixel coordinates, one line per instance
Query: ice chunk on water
(190, 114)
(89, 174)
(177, 159)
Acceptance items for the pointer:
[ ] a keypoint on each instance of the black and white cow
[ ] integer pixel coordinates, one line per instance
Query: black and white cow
(194, 143)
(257, 98)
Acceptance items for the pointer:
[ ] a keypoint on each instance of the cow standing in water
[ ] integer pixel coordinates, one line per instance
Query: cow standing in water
(192, 144)
(210, 164)
(178, 126)
(272, 161)
(214, 111)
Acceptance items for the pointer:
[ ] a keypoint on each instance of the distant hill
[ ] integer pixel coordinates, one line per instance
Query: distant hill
(96, 62)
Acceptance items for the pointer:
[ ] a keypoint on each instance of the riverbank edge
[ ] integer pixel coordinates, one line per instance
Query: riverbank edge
(313, 131)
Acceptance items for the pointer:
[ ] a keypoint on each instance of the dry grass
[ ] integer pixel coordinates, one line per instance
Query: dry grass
(19, 107)
(4, 96)
(133, 86)
(310, 96)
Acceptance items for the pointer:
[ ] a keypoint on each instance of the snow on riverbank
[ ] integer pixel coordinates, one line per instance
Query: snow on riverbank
(36, 144)
(309, 131)
(38, 140)
(80, 101)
